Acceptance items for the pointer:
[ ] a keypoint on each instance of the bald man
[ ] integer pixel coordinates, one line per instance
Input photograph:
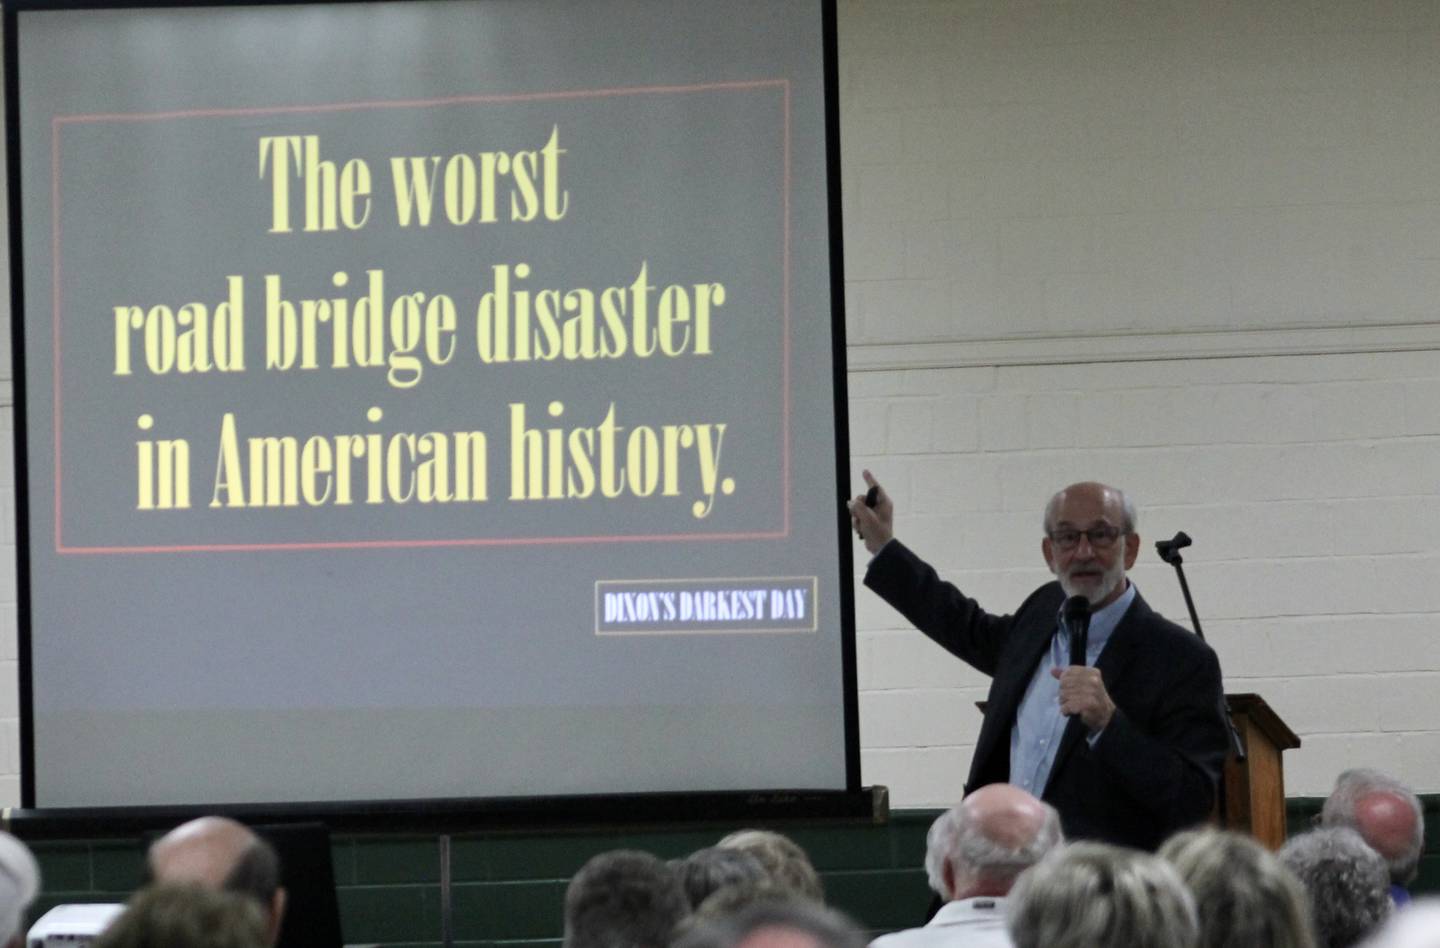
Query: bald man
(1387, 815)
(220, 854)
(973, 855)
(1129, 745)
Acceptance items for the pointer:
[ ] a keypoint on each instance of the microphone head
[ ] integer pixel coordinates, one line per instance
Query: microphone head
(1168, 549)
(1076, 607)
(1075, 615)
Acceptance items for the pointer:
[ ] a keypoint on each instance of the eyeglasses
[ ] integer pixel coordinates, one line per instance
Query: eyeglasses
(1101, 538)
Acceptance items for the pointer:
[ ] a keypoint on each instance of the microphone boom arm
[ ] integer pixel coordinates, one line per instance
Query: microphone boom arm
(1169, 551)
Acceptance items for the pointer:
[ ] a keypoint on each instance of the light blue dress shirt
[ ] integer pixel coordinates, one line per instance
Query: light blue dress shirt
(1039, 725)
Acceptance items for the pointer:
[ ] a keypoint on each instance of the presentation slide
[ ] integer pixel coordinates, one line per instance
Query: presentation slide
(428, 399)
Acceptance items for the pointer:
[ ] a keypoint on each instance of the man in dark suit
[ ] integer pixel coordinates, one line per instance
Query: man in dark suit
(1129, 746)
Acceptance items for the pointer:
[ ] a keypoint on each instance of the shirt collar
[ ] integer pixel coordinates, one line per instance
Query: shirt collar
(1103, 621)
(961, 910)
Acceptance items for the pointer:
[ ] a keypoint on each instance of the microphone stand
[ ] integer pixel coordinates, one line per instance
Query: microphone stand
(1169, 551)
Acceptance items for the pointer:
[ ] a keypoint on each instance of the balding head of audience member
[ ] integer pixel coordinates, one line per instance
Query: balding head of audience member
(1243, 895)
(623, 899)
(785, 862)
(783, 923)
(186, 916)
(981, 846)
(1385, 813)
(1092, 895)
(1346, 882)
(219, 854)
(19, 884)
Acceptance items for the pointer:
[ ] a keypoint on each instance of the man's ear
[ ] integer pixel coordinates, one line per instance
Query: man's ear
(947, 877)
(1048, 549)
(1132, 549)
(277, 915)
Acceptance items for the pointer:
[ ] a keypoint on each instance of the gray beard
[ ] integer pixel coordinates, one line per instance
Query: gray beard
(1109, 583)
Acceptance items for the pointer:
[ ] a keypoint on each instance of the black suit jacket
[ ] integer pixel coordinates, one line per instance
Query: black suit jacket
(1155, 768)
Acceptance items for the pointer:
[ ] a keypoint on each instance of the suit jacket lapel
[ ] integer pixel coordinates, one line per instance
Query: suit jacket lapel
(1112, 662)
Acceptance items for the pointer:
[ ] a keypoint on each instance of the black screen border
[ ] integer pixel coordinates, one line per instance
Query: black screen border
(853, 803)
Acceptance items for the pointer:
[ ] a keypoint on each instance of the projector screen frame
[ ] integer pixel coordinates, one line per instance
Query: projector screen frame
(853, 803)
(867, 806)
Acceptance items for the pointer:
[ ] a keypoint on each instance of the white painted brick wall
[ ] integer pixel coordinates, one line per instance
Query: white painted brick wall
(1025, 176)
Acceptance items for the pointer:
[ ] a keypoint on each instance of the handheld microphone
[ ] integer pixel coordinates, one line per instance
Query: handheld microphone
(1076, 616)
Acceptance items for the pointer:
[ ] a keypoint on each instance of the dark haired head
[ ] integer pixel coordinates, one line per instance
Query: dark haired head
(623, 899)
(706, 871)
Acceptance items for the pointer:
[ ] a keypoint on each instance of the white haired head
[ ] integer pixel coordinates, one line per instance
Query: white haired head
(19, 884)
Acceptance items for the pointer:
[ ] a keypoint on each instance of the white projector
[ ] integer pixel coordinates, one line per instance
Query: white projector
(72, 926)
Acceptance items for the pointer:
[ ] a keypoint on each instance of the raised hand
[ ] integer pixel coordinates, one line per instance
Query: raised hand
(875, 525)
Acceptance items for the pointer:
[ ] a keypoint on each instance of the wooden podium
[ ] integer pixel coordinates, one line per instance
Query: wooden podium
(1253, 798)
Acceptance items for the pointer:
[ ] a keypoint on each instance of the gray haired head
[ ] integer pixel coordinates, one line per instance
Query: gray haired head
(1243, 895)
(1093, 895)
(1346, 881)
(19, 884)
(706, 871)
(807, 923)
(985, 842)
(784, 860)
(1385, 812)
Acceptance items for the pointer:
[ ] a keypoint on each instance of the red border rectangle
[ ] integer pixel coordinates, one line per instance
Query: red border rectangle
(59, 122)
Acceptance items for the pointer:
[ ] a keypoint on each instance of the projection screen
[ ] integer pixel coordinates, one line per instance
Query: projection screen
(428, 399)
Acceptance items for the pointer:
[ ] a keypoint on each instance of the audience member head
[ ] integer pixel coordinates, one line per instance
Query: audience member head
(787, 923)
(186, 916)
(785, 862)
(734, 899)
(19, 883)
(1346, 881)
(1385, 813)
(623, 899)
(1243, 895)
(705, 871)
(1092, 895)
(220, 854)
(1417, 925)
(981, 846)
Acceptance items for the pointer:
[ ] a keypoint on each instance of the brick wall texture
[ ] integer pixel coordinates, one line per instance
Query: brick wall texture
(1189, 249)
